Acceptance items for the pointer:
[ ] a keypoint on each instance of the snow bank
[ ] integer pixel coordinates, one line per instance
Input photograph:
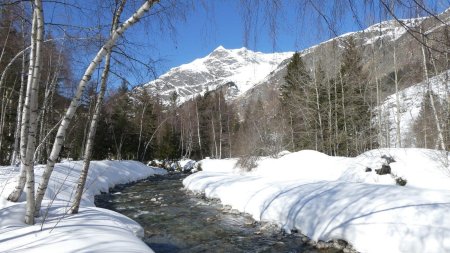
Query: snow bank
(92, 230)
(214, 165)
(335, 198)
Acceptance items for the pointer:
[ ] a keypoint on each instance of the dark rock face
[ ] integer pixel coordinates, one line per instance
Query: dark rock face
(368, 169)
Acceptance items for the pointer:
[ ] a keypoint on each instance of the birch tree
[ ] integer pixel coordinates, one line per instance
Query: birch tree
(95, 118)
(441, 142)
(397, 101)
(115, 35)
(28, 161)
(29, 114)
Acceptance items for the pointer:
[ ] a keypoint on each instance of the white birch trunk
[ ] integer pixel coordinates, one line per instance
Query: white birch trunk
(153, 135)
(430, 92)
(220, 130)
(319, 116)
(16, 152)
(397, 102)
(198, 130)
(91, 137)
(229, 135)
(59, 141)
(14, 196)
(344, 114)
(141, 126)
(50, 89)
(31, 141)
(214, 155)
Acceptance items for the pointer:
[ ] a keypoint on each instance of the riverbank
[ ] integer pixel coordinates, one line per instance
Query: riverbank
(354, 199)
(91, 230)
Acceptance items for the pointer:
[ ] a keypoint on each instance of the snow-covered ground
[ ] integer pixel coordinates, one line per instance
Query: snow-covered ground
(329, 198)
(92, 230)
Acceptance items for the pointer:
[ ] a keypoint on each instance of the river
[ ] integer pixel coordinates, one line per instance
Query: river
(175, 220)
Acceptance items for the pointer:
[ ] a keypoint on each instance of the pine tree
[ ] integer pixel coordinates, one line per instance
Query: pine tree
(296, 95)
(353, 114)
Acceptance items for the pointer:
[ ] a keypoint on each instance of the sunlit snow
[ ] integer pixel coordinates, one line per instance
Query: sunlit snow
(91, 230)
(329, 198)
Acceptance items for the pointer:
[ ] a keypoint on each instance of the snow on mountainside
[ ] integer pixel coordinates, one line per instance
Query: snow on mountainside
(240, 69)
(248, 75)
(411, 100)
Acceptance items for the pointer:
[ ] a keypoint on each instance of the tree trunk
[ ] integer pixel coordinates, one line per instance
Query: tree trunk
(153, 135)
(31, 141)
(91, 137)
(229, 134)
(25, 121)
(50, 89)
(344, 115)
(198, 130)
(319, 116)
(397, 102)
(330, 119)
(59, 141)
(220, 130)
(141, 124)
(16, 152)
(430, 92)
(213, 128)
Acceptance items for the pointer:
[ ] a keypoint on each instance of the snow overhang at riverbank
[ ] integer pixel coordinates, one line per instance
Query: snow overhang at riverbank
(343, 198)
(91, 230)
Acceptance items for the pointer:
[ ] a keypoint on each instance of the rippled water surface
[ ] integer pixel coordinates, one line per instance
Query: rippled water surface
(178, 221)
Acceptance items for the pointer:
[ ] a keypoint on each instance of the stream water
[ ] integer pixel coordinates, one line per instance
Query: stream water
(175, 220)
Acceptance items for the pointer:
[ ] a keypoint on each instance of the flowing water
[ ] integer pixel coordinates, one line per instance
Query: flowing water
(175, 220)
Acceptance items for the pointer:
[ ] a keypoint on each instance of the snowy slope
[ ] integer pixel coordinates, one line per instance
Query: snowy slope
(411, 100)
(329, 198)
(240, 69)
(91, 230)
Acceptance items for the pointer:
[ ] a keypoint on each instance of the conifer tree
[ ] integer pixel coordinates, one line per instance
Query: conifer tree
(295, 99)
(353, 116)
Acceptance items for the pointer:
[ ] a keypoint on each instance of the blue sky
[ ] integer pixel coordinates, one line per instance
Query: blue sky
(219, 23)
(222, 24)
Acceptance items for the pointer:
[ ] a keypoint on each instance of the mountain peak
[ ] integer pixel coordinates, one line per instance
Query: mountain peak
(219, 48)
(242, 67)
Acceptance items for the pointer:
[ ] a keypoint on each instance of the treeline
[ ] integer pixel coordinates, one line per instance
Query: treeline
(136, 125)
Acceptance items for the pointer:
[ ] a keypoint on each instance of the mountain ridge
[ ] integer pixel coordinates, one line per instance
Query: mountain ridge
(241, 67)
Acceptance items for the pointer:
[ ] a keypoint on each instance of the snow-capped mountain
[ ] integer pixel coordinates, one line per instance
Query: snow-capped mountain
(239, 69)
